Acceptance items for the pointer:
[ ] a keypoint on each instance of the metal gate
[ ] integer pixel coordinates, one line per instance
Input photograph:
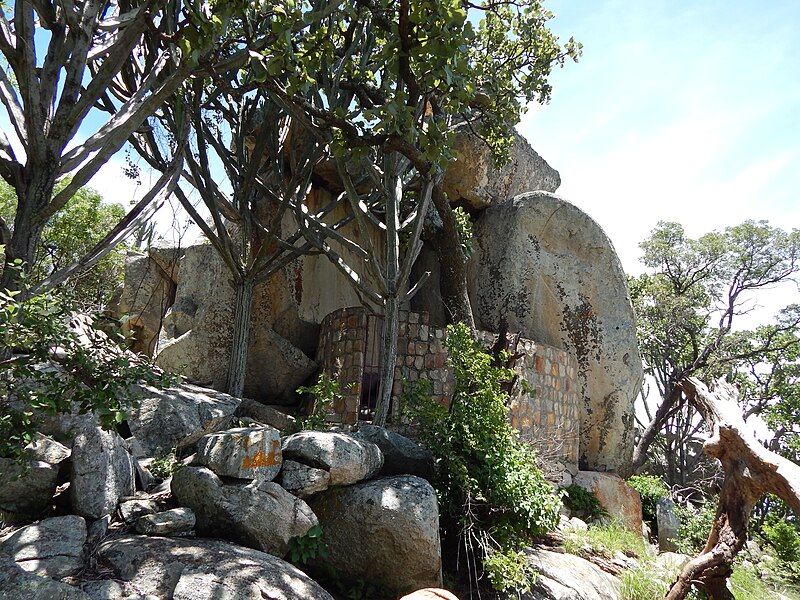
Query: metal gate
(371, 377)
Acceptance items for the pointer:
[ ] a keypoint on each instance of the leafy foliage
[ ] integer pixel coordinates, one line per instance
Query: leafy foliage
(464, 224)
(490, 492)
(305, 548)
(696, 522)
(784, 539)
(60, 365)
(325, 393)
(163, 467)
(651, 489)
(68, 236)
(583, 501)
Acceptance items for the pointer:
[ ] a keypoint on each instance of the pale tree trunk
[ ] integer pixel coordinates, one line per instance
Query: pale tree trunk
(651, 431)
(241, 338)
(750, 472)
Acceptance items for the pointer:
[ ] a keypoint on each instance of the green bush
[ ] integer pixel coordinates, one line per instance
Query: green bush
(696, 522)
(583, 501)
(784, 539)
(651, 489)
(489, 487)
(325, 393)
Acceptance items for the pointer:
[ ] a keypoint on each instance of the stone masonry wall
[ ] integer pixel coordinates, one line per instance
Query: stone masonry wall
(545, 409)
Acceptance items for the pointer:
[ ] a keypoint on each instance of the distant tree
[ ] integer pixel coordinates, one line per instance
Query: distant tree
(68, 236)
(688, 302)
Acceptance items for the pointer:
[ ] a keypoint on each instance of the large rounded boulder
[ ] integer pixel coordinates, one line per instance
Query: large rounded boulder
(544, 268)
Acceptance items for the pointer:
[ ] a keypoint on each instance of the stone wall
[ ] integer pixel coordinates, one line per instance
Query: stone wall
(545, 409)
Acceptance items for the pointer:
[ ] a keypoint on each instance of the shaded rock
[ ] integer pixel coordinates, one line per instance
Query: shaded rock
(177, 520)
(52, 547)
(265, 414)
(401, 455)
(260, 514)
(302, 480)
(473, 178)
(243, 452)
(132, 510)
(619, 500)
(547, 270)
(165, 418)
(18, 584)
(346, 458)
(27, 488)
(667, 524)
(101, 472)
(47, 450)
(568, 577)
(183, 569)
(111, 589)
(385, 531)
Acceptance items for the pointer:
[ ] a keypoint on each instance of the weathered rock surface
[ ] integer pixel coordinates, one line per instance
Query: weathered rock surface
(18, 584)
(265, 414)
(243, 452)
(26, 489)
(132, 510)
(401, 455)
(302, 480)
(346, 458)
(177, 520)
(668, 524)
(473, 177)
(183, 569)
(52, 547)
(165, 418)
(430, 594)
(47, 450)
(620, 500)
(568, 577)
(385, 531)
(260, 514)
(101, 472)
(548, 270)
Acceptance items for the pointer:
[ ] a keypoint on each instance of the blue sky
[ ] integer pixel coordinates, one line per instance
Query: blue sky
(686, 111)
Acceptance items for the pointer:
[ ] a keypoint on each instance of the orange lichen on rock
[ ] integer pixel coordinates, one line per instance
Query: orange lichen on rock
(262, 459)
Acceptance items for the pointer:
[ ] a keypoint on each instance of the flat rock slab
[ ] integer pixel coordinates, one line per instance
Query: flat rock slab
(177, 520)
(568, 577)
(263, 413)
(260, 514)
(243, 452)
(52, 547)
(18, 584)
(164, 418)
(183, 569)
(347, 458)
(385, 531)
(302, 480)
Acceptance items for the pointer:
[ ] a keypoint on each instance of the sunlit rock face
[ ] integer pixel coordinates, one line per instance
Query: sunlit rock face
(547, 270)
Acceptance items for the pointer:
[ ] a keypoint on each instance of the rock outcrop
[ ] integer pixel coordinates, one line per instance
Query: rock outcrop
(619, 500)
(384, 531)
(546, 269)
(26, 488)
(182, 569)
(401, 455)
(568, 577)
(243, 452)
(259, 514)
(52, 548)
(18, 584)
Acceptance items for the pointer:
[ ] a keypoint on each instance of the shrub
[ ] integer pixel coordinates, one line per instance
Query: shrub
(651, 489)
(325, 393)
(696, 522)
(784, 540)
(489, 488)
(583, 501)
(60, 365)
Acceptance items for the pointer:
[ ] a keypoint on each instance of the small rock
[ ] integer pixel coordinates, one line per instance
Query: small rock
(260, 514)
(132, 510)
(47, 449)
(27, 488)
(243, 452)
(348, 459)
(101, 472)
(98, 530)
(302, 480)
(401, 455)
(668, 525)
(177, 520)
(53, 547)
(265, 414)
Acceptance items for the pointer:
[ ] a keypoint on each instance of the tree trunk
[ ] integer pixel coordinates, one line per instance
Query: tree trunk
(241, 338)
(452, 264)
(388, 359)
(750, 472)
(652, 429)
